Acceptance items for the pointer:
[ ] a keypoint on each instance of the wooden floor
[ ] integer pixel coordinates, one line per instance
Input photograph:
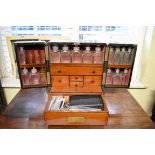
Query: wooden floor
(26, 110)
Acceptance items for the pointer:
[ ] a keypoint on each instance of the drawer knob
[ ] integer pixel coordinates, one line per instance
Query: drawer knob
(59, 80)
(59, 71)
(76, 78)
(93, 72)
(92, 81)
(76, 85)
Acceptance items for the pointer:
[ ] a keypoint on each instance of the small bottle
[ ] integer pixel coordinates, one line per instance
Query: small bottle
(130, 56)
(36, 58)
(125, 77)
(43, 79)
(117, 78)
(98, 56)
(25, 77)
(55, 55)
(122, 56)
(34, 76)
(87, 56)
(111, 56)
(21, 56)
(42, 56)
(65, 55)
(29, 56)
(117, 56)
(76, 55)
(109, 77)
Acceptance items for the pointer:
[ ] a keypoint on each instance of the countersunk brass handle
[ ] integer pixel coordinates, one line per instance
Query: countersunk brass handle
(59, 71)
(93, 72)
(59, 80)
(76, 78)
(76, 119)
(76, 85)
(92, 81)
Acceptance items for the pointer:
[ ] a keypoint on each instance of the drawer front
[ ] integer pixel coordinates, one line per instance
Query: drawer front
(76, 84)
(76, 78)
(75, 70)
(91, 81)
(60, 81)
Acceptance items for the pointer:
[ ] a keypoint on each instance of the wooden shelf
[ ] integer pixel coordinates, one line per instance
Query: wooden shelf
(119, 66)
(116, 86)
(34, 86)
(32, 65)
(77, 64)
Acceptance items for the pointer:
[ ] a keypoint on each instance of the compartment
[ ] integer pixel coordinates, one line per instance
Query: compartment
(76, 78)
(76, 84)
(85, 109)
(91, 81)
(60, 81)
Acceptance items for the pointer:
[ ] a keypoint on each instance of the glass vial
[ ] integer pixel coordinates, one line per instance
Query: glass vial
(117, 56)
(36, 58)
(43, 79)
(29, 56)
(98, 56)
(65, 55)
(125, 77)
(117, 77)
(76, 55)
(87, 56)
(21, 56)
(111, 56)
(25, 77)
(42, 56)
(55, 55)
(122, 56)
(109, 77)
(34, 76)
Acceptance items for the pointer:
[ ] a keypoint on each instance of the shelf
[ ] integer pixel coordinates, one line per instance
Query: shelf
(116, 86)
(119, 66)
(77, 64)
(32, 65)
(34, 86)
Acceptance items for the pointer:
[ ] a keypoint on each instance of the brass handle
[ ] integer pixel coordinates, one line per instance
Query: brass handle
(59, 71)
(76, 85)
(59, 80)
(93, 72)
(92, 81)
(76, 78)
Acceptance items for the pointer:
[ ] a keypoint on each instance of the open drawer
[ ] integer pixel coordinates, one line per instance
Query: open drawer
(76, 109)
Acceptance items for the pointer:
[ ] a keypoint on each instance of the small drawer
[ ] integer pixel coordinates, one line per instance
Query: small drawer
(91, 81)
(76, 78)
(76, 84)
(60, 81)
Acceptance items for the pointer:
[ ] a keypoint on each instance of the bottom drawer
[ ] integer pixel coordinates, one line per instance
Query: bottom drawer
(76, 115)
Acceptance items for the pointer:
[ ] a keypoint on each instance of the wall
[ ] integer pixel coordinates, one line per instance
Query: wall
(146, 97)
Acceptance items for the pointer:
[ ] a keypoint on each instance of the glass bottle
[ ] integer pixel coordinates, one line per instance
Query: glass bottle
(43, 79)
(109, 77)
(34, 76)
(130, 56)
(76, 55)
(55, 55)
(122, 56)
(117, 56)
(117, 78)
(65, 55)
(111, 56)
(125, 77)
(42, 56)
(98, 56)
(21, 56)
(25, 77)
(29, 56)
(36, 59)
(87, 56)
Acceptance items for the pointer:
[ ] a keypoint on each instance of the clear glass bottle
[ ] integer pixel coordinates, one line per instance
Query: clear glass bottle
(109, 77)
(55, 55)
(42, 56)
(117, 78)
(76, 55)
(43, 79)
(87, 56)
(111, 56)
(36, 58)
(25, 77)
(21, 56)
(130, 55)
(34, 76)
(117, 56)
(122, 56)
(65, 55)
(98, 56)
(125, 77)
(29, 56)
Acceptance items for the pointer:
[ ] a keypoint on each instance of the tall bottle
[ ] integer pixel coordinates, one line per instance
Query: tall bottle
(42, 56)
(109, 77)
(130, 56)
(65, 55)
(122, 56)
(36, 58)
(117, 78)
(111, 56)
(76, 55)
(43, 79)
(117, 56)
(98, 56)
(29, 57)
(21, 56)
(25, 77)
(125, 77)
(55, 55)
(34, 76)
(87, 56)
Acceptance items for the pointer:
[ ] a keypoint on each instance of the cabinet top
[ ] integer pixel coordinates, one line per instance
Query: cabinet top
(30, 42)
